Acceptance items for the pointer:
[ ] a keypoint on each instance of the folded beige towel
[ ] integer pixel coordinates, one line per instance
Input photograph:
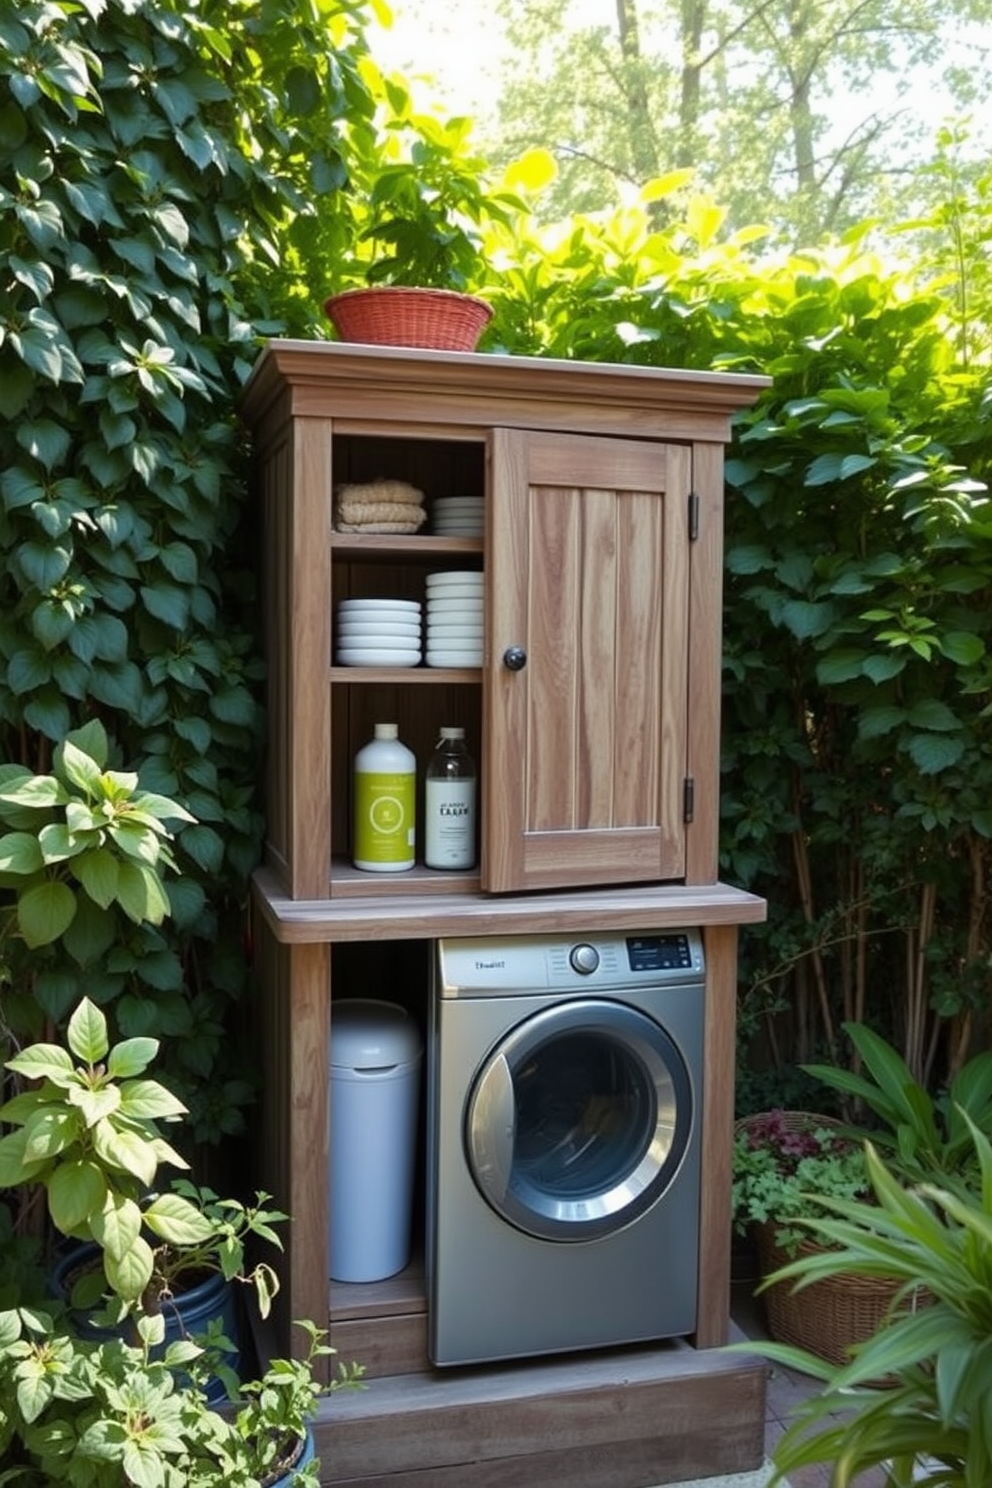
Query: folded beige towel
(379, 506)
(367, 514)
(399, 492)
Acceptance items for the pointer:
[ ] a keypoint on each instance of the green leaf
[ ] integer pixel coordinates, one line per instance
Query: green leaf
(45, 912)
(131, 1057)
(130, 1273)
(97, 871)
(49, 1132)
(20, 854)
(930, 713)
(177, 1221)
(125, 1150)
(87, 1033)
(43, 1062)
(14, 1169)
(932, 753)
(147, 1100)
(44, 566)
(141, 895)
(167, 603)
(76, 1193)
(117, 1227)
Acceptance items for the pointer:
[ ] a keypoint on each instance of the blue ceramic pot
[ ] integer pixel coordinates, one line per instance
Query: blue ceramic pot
(186, 1314)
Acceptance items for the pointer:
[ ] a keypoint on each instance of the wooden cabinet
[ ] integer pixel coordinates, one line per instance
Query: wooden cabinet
(602, 551)
(599, 755)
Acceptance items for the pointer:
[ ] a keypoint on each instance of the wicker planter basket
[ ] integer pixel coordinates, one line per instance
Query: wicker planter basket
(394, 315)
(828, 1316)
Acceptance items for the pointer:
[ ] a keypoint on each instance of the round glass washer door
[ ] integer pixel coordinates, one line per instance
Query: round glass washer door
(578, 1120)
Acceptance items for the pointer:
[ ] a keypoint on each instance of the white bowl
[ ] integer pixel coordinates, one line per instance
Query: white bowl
(379, 643)
(446, 658)
(398, 629)
(444, 630)
(379, 606)
(454, 576)
(362, 656)
(455, 609)
(455, 591)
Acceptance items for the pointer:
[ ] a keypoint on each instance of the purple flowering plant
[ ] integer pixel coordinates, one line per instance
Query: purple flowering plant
(781, 1159)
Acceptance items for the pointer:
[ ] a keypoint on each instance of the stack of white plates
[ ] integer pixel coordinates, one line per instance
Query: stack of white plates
(454, 619)
(378, 632)
(457, 516)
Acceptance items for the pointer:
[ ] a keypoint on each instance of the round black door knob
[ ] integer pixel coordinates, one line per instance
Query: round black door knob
(515, 658)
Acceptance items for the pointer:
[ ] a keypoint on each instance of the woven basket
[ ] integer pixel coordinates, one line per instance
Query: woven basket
(828, 1316)
(394, 315)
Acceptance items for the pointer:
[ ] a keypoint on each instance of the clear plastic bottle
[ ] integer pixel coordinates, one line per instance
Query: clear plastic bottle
(385, 803)
(449, 804)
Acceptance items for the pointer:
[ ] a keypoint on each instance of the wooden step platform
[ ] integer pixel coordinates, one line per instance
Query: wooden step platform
(627, 1418)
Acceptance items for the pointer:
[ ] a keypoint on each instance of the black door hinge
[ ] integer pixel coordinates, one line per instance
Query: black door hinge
(688, 798)
(693, 516)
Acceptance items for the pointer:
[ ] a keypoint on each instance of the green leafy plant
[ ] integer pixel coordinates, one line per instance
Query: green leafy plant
(781, 1161)
(276, 1410)
(85, 849)
(923, 1138)
(87, 1131)
(114, 1415)
(932, 1424)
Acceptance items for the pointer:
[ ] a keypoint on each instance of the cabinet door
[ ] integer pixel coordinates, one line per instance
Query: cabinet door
(584, 746)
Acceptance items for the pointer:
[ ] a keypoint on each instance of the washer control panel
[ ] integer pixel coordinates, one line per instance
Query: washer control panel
(536, 963)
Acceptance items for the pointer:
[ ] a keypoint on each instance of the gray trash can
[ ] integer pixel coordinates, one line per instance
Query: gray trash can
(376, 1054)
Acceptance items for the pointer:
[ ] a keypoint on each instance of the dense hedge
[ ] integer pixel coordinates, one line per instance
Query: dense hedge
(152, 156)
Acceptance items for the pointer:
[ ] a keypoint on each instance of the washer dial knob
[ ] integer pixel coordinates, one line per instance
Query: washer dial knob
(584, 959)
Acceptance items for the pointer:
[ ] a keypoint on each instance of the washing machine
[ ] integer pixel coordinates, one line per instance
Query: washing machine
(564, 1091)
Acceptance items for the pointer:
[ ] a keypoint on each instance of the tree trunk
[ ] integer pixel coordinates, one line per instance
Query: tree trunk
(640, 129)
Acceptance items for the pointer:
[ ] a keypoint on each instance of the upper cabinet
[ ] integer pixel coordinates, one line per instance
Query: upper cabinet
(594, 715)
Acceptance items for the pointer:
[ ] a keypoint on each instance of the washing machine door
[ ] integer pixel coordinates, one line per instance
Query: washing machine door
(578, 1120)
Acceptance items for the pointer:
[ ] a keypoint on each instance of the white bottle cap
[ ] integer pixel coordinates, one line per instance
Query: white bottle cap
(387, 731)
(452, 733)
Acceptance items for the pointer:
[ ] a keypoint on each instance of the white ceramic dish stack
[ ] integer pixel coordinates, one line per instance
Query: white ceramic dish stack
(454, 619)
(457, 516)
(379, 632)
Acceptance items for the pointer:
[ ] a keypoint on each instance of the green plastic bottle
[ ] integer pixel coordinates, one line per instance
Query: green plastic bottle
(385, 803)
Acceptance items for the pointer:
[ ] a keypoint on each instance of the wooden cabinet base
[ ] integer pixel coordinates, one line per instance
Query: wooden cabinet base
(618, 1419)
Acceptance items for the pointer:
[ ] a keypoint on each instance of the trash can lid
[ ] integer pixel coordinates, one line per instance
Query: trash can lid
(369, 1033)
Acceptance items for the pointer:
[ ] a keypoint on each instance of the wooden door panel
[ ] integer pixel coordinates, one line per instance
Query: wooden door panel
(585, 747)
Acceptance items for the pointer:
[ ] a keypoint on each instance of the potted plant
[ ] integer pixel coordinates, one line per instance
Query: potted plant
(113, 1414)
(423, 250)
(781, 1160)
(932, 1425)
(87, 1131)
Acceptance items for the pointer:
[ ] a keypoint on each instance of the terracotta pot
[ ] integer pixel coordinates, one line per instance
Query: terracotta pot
(394, 315)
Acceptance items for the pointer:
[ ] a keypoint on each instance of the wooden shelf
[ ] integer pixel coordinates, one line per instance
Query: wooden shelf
(418, 675)
(395, 915)
(389, 545)
(356, 883)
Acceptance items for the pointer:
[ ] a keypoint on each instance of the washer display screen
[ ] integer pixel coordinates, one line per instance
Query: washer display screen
(658, 952)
